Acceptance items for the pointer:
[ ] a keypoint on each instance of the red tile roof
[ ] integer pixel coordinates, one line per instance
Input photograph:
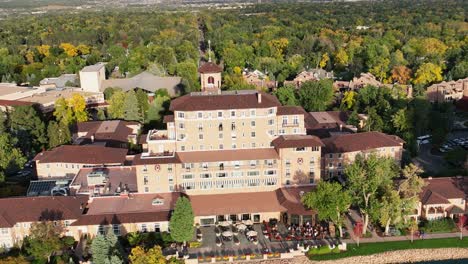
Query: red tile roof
(227, 155)
(290, 198)
(291, 110)
(235, 203)
(112, 130)
(123, 177)
(122, 218)
(439, 190)
(87, 154)
(14, 103)
(34, 209)
(360, 142)
(242, 100)
(294, 141)
(210, 67)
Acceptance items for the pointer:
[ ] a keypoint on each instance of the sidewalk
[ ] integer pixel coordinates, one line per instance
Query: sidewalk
(376, 238)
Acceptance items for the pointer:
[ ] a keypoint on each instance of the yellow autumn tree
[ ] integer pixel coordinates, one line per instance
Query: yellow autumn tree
(278, 45)
(139, 255)
(83, 49)
(428, 73)
(324, 60)
(401, 74)
(44, 50)
(78, 104)
(69, 49)
(341, 57)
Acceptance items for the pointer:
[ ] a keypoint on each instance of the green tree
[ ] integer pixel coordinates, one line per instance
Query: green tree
(106, 249)
(329, 207)
(316, 95)
(44, 240)
(390, 208)
(101, 114)
(287, 95)
(155, 109)
(116, 105)
(27, 125)
(109, 92)
(130, 107)
(11, 158)
(63, 112)
(354, 119)
(182, 220)
(58, 134)
(3, 122)
(153, 255)
(366, 177)
(374, 122)
(143, 104)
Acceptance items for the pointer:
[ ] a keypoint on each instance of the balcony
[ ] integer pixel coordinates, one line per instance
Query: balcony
(284, 124)
(154, 135)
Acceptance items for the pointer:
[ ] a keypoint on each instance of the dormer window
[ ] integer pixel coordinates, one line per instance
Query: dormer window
(157, 201)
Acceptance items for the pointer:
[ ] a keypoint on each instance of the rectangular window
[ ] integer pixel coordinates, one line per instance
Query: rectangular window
(205, 175)
(252, 134)
(5, 231)
(220, 135)
(285, 120)
(296, 120)
(116, 229)
(330, 156)
(221, 146)
(253, 173)
(270, 122)
(252, 123)
(200, 127)
(234, 146)
(281, 132)
(182, 148)
(143, 228)
(221, 174)
(181, 114)
(187, 176)
(288, 163)
(200, 115)
(271, 111)
(288, 173)
(101, 230)
(146, 189)
(252, 112)
(181, 125)
(200, 136)
(220, 114)
(233, 113)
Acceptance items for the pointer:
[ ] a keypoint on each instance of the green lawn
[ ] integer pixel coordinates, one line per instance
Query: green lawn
(374, 248)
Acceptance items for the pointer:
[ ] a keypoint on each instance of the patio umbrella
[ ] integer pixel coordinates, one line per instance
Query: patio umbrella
(248, 222)
(241, 226)
(252, 233)
(227, 233)
(224, 223)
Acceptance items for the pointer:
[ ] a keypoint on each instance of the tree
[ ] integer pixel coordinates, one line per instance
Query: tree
(139, 255)
(15, 260)
(116, 105)
(63, 113)
(287, 95)
(106, 249)
(349, 99)
(366, 177)
(402, 121)
(155, 109)
(101, 114)
(182, 220)
(354, 119)
(3, 124)
(11, 158)
(130, 106)
(27, 125)
(58, 134)
(401, 74)
(390, 208)
(373, 122)
(44, 239)
(316, 95)
(78, 105)
(412, 184)
(324, 60)
(428, 73)
(143, 104)
(329, 207)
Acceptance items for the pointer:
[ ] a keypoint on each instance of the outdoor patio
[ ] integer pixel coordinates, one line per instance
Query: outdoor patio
(239, 241)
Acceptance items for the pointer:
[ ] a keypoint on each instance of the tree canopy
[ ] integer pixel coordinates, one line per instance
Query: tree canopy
(182, 221)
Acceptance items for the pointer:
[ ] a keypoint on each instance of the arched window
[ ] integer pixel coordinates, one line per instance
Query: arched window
(211, 80)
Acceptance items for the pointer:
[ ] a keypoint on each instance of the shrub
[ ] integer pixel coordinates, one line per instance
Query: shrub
(195, 244)
(439, 225)
(322, 251)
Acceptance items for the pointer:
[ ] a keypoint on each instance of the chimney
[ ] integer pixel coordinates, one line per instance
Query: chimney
(92, 138)
(341, 127)
(259, 98)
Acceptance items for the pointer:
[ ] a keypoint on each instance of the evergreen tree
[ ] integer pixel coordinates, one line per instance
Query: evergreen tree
(3, 119)
(58, 134)
(106, 249)
(101, 115)
(130, 106)
(182, 220)
(143, 104)
(155, 109)
(27, 125)
(116, 105)
(11, 158)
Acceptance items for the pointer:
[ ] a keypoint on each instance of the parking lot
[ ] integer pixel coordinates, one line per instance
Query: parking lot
(451, 144)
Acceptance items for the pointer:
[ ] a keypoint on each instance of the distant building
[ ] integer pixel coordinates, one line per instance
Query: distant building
(447, 91)
(328, 123)
(259, 79)
(148, 82)
(111, 133)
(210, 77)
(91, 77)
(65, 161)
(61, 82)
(12, 95)
(366, 79)
(310, 75)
